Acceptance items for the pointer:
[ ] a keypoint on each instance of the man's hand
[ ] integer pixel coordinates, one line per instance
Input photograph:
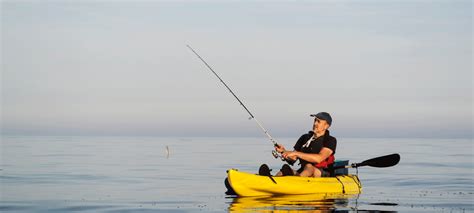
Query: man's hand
(292, 155)
(280, 148)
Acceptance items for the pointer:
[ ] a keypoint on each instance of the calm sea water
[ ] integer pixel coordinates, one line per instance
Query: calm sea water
(137, 174)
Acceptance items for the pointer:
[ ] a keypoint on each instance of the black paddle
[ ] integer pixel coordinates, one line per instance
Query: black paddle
(379, 162)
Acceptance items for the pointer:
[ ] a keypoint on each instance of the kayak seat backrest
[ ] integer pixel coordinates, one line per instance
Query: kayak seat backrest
(341, 171)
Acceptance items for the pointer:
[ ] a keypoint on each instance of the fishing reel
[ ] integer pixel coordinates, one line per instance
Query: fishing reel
(277, 155)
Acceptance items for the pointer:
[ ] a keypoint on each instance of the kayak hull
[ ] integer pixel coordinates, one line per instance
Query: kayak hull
(246, 184)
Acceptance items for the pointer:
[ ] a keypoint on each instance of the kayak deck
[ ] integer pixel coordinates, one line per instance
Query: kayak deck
(246, 184)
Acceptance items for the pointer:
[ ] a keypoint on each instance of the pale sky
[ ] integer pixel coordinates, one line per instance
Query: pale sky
(381, 68)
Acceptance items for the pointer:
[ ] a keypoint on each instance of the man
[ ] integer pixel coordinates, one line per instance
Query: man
(314, 150)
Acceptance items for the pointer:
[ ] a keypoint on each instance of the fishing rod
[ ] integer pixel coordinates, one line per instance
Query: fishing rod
(274, 153)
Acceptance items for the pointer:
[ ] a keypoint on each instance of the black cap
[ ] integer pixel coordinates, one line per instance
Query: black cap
(323, 116)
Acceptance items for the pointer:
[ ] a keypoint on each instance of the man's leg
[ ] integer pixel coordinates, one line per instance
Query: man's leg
(286, 171)
(310, 171)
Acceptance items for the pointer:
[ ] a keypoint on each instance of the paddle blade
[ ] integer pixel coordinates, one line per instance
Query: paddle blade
(383, 161)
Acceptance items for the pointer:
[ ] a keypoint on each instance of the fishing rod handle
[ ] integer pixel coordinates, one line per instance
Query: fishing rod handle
(276, 155)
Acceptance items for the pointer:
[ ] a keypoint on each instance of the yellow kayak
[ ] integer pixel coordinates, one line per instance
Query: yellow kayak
(246, 184)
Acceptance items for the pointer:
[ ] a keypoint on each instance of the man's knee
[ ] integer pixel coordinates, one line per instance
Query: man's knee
(309, 167)
(314, 172)
(317, 173)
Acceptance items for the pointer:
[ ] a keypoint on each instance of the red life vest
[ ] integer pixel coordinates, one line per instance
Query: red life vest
(325, 163)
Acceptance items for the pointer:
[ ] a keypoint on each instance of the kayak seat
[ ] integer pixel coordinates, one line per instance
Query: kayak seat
(341, 171)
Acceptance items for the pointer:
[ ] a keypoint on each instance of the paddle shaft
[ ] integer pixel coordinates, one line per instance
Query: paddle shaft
(379, 162)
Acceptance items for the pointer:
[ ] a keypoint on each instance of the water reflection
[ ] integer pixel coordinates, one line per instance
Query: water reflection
(316, 203)
(294, 203)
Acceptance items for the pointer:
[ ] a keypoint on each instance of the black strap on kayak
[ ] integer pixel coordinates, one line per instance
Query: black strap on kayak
(343, 189)
(357, 181)
(271, 178)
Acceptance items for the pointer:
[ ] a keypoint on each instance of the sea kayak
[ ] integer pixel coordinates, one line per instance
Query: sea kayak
(247, 184)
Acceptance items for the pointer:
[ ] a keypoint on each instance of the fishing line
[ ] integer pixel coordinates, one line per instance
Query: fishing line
(241, 103)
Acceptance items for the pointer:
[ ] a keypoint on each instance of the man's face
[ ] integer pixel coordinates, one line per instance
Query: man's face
(320, 125)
